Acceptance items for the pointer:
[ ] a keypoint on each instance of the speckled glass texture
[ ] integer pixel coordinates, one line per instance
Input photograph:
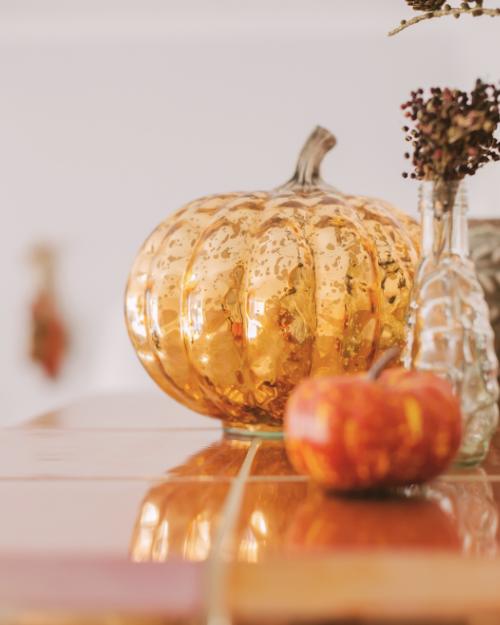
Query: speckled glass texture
(235, 298)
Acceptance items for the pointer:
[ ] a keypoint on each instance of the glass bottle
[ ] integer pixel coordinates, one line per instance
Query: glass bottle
(448, 328)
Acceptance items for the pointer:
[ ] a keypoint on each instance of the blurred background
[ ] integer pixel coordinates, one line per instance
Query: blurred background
(113, 114)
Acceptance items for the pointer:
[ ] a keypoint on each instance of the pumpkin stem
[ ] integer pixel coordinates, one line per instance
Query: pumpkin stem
(381, 363)
(307, 174)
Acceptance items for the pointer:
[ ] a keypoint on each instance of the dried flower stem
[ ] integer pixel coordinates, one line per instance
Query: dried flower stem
(455, 12)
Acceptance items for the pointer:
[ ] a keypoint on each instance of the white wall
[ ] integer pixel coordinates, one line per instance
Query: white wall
(113, 114)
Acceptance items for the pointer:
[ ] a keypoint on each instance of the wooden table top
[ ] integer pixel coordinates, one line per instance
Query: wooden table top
(123, 509)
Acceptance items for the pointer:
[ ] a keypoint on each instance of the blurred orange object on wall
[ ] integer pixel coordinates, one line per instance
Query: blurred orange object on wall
(48, 332)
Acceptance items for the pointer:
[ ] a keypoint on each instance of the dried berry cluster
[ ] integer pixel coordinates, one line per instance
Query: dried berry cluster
(435, 5)
(425, 5)
(453, 134)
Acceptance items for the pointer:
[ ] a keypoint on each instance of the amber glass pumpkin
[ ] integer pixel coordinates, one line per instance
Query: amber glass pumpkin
(237, 297)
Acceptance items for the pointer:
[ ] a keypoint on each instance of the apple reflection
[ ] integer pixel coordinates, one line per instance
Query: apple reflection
(179, 518)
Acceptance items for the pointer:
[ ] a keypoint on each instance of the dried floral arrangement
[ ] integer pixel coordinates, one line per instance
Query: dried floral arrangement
(435, 8)
(453, 134)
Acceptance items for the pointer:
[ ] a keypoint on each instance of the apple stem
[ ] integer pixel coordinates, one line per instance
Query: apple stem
(381, 363)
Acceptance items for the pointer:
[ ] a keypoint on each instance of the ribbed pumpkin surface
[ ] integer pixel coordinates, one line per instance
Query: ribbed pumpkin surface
(235, 298)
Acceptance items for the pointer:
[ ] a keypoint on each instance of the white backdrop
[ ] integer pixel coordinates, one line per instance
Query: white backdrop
(114, 114)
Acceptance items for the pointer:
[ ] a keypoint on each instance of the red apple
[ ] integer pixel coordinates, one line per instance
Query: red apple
(354, 432)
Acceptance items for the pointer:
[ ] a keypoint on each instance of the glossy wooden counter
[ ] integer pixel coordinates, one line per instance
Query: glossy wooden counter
(120, 510)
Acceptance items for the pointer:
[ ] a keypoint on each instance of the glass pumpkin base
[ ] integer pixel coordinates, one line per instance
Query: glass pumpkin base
(231, 432)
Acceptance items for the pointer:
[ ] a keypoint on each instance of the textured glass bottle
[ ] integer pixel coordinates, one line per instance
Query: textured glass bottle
(449, 331)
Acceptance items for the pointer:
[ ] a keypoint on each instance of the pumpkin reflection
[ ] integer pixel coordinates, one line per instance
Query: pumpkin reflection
(265, 516)
(268, 506)
(272, 459)
(180, 518)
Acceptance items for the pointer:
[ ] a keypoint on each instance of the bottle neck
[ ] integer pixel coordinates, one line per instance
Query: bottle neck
(443, 207)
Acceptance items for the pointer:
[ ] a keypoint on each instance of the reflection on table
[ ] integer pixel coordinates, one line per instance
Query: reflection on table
(283, 513)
